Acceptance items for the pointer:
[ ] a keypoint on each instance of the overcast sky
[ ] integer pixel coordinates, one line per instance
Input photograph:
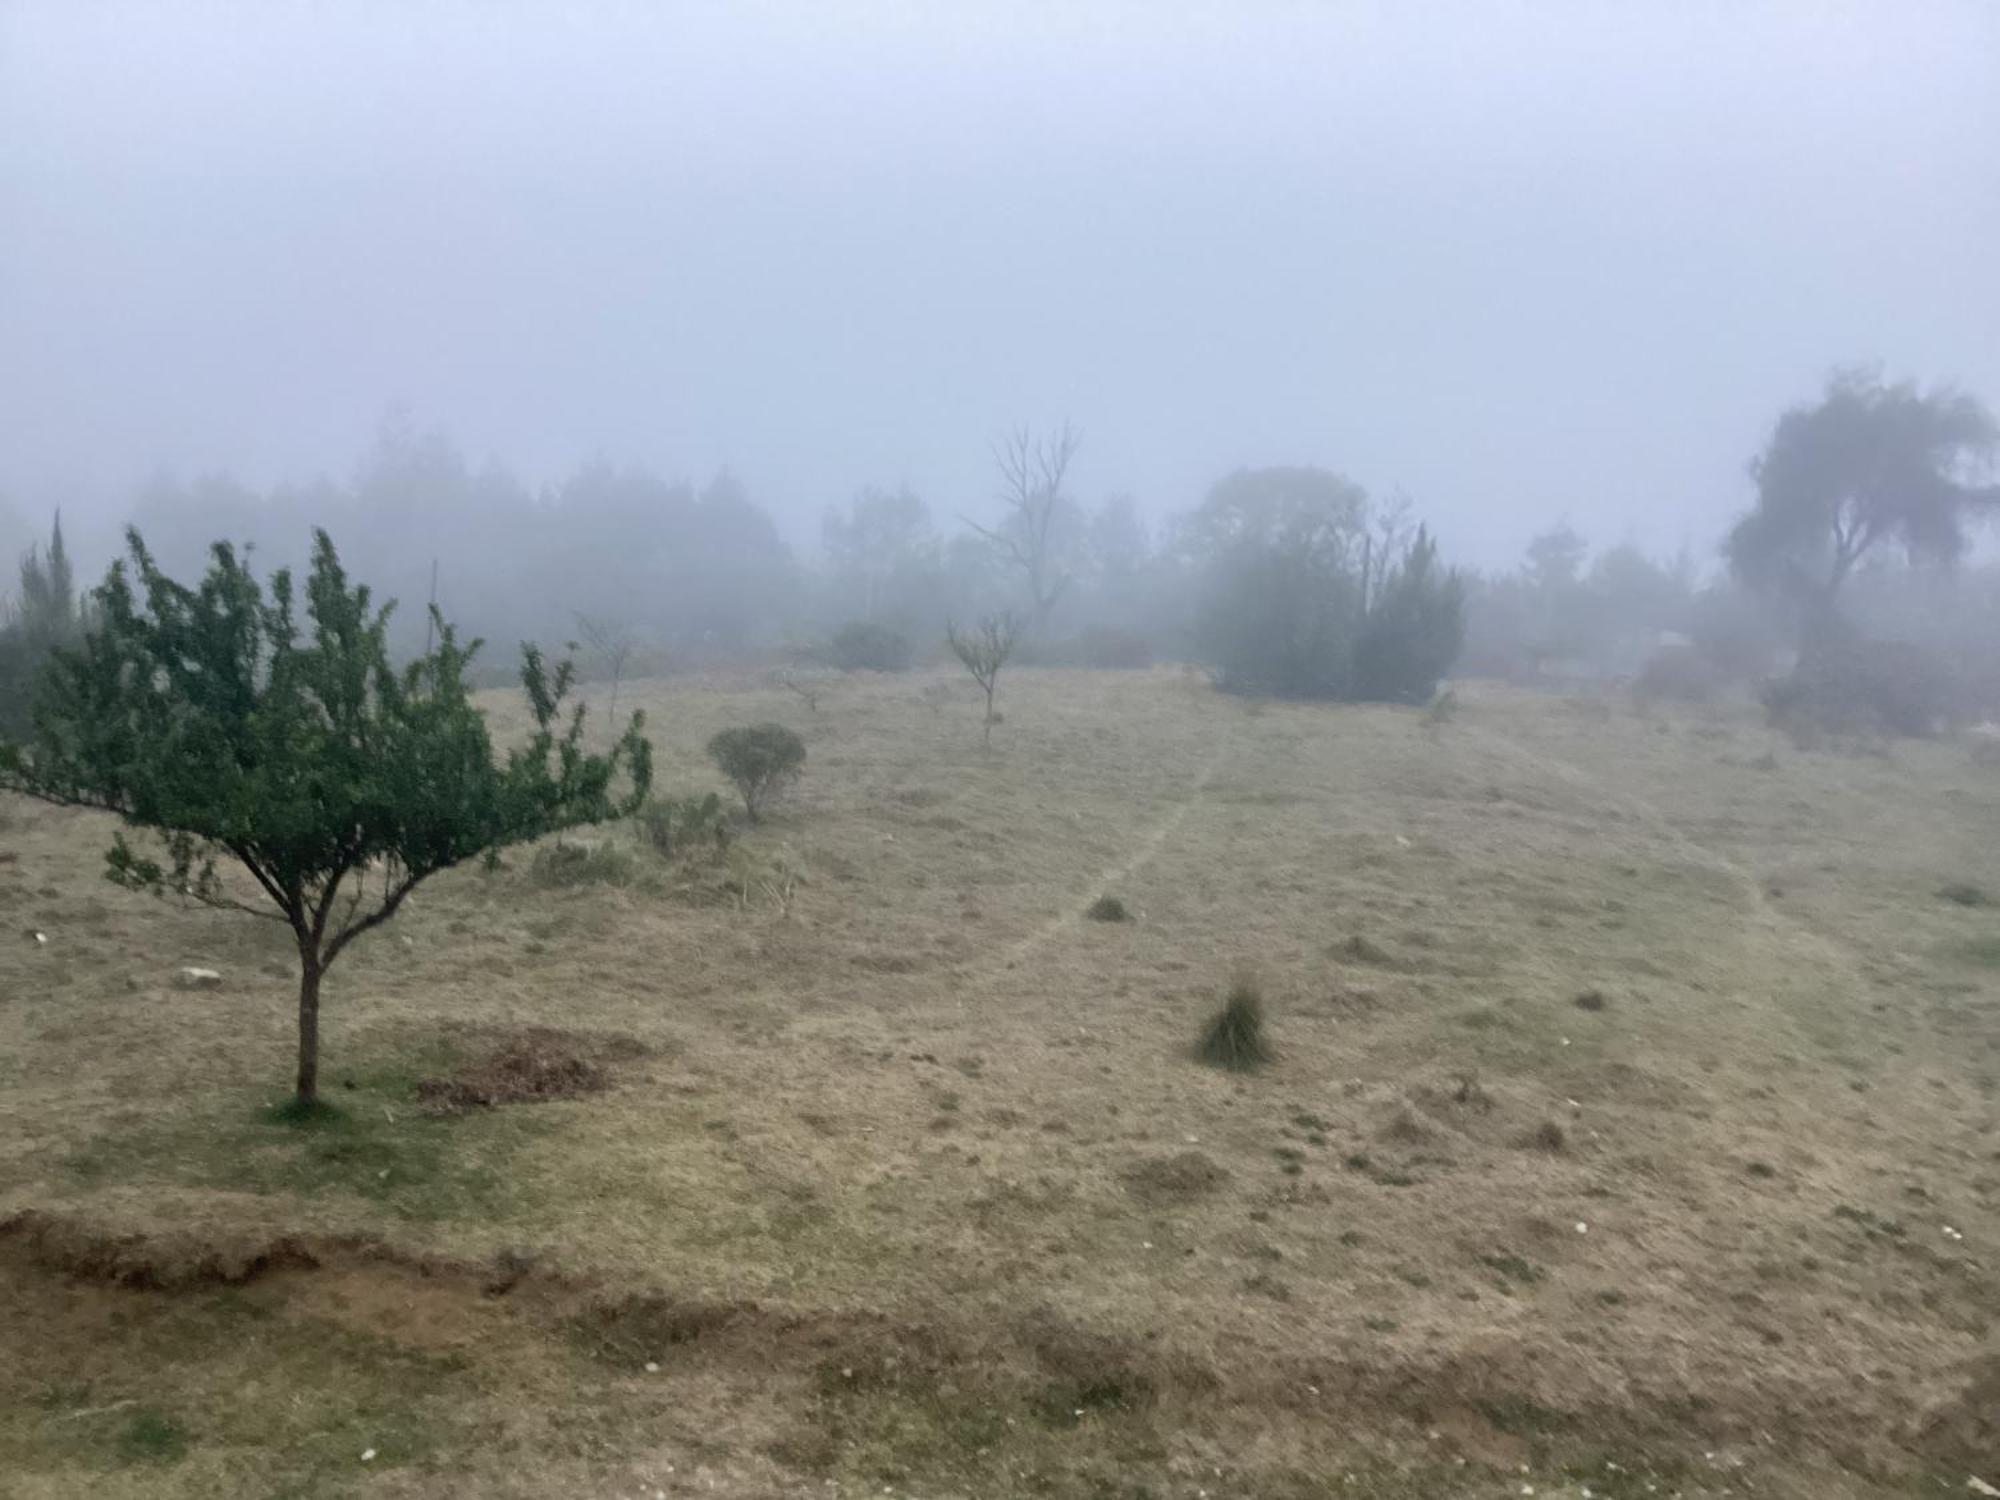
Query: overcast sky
(1520, 260)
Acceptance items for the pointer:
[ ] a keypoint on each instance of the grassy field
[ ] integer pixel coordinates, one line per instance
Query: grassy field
(1633, 1127)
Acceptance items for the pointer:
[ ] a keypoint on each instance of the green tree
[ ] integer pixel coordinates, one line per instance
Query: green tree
(208, 717)
(1312, 592)
(1413, 629)
(1868, 465)
(44, 616)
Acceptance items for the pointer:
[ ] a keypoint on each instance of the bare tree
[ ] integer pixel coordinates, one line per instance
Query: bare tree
(984, 650)
(1032, 471)
(614, 643)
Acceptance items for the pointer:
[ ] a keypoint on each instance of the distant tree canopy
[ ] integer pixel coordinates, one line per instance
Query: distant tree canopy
(44, 616)
(1869, 465)
(207, 716)
(1311, 592)
(684, 566)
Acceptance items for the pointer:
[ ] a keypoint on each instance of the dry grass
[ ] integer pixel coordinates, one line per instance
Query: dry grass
(916, 1183)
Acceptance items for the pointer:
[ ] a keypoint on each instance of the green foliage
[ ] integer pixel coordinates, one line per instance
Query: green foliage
(678, 826)
(1411, 628)
(1311, 594)
(864, 646)
(208, 717)
(44, 618)
(1234, 1036)
(763, 760)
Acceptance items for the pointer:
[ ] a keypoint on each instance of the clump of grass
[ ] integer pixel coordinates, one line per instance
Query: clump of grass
(1964, 893)
(1234, 1036)
(1592, 1000)
(1108, 908)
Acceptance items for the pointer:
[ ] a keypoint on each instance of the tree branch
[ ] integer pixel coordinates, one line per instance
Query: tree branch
(375, 918)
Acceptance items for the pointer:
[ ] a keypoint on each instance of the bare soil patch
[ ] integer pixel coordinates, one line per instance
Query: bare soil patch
(532, 1066)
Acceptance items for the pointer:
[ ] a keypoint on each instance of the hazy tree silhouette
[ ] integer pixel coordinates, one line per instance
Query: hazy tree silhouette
(1868, 465)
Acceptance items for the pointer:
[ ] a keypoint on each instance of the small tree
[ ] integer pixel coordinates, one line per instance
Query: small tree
(985, 650)
(762, 759)
(614, 644)
(205, 716)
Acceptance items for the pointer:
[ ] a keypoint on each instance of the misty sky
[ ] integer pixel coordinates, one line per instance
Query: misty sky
(1518, 259)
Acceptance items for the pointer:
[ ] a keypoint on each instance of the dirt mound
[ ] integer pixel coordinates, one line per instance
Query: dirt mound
(530, 1066)
(144, 1262)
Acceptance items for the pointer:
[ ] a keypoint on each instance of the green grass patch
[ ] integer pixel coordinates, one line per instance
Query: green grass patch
(151, 1437)
(366, 1138)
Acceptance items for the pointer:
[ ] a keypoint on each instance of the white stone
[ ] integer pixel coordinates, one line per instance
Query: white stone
(192, 978)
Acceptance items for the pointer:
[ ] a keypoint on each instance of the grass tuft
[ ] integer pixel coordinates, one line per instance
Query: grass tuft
(151, 1437)
(1108, 909)
(1234, 1037)
(1964, 893)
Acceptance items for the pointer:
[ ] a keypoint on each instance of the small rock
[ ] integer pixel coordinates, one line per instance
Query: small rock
(368, 1456)
(191, 978)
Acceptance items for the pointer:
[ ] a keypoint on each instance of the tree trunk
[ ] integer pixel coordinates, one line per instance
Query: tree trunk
(310, 970)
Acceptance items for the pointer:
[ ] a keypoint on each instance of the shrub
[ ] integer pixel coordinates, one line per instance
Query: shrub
(1234, 1036)
(676, 826)
(864, 646)
(1108, 909)
(1864, 687)
(762, 759)
(1679, 674)
(1963, 894)
(1319, 616)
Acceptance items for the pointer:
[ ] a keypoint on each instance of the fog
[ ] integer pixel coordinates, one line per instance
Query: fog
(1520, 263)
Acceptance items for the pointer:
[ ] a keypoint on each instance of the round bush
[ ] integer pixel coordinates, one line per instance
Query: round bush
(762, 759)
